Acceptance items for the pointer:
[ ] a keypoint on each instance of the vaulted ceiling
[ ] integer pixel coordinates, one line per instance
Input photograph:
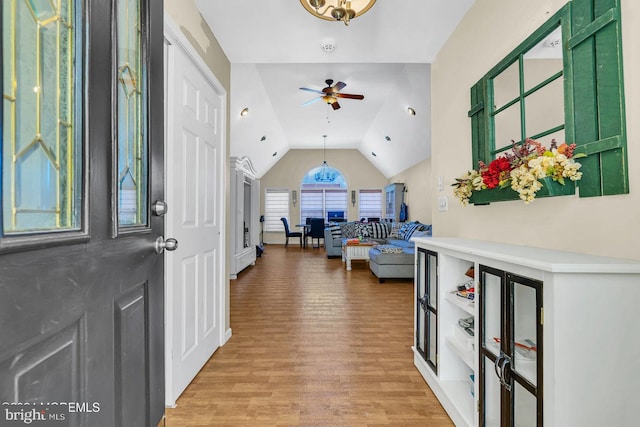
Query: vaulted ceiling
(276, 47)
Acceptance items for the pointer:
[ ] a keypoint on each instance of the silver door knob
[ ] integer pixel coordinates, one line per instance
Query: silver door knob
(170, 244)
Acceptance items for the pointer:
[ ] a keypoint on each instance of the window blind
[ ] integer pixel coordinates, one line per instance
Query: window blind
(276, 206)
(370, 205)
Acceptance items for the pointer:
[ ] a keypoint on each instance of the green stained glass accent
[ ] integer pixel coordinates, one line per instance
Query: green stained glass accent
(41, 142)
(132, 114)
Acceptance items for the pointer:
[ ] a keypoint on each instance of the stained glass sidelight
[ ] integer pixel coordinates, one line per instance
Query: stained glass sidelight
(41, 141)
(131, 116)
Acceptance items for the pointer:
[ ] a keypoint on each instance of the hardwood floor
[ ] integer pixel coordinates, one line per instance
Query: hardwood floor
(312, 345)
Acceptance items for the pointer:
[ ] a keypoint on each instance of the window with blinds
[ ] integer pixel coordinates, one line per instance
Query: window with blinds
(370, 205)
(317, 202)
(276, 206)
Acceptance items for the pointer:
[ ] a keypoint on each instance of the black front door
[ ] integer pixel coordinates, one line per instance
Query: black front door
(81, 284)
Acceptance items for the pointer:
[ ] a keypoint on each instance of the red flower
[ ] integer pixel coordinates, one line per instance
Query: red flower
(498, 170)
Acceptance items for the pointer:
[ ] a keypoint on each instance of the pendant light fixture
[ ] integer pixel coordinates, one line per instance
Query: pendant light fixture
(325, 173)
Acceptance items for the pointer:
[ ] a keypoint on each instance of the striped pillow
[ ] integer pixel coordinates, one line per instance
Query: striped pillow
(407, 230)
(379, 230)
(336, 231)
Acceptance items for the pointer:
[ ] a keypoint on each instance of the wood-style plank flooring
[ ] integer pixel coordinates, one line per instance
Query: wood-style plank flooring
(312, 345)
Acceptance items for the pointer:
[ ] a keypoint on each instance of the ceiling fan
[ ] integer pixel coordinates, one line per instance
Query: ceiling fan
(330, 94)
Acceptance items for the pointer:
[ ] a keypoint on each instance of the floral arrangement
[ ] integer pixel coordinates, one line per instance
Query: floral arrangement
(521, 169)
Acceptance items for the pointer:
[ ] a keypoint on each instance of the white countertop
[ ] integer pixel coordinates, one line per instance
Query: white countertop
(542, 259)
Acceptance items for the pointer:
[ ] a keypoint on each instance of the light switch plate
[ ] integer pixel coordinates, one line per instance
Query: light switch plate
(443, 203)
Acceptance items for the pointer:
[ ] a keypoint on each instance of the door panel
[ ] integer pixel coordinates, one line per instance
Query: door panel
(195, 272)
(81, 302)
(130, 331)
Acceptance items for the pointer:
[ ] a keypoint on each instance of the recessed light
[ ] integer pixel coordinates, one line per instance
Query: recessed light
(274, 154)
(374, 154)
(244, 112)
(388, 138)
(411, 111)
(264, 138)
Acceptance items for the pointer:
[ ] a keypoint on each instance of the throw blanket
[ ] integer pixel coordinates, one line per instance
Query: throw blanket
(390, 249)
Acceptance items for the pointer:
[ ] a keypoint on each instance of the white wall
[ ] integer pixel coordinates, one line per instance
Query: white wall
(601, 225)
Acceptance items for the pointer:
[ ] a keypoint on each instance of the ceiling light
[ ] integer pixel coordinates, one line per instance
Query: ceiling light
(374, 154)
(274, 154)
(244, 112)
(325, 173)
(388, 138)
(337, 10)
(411, 111)
(264, 138)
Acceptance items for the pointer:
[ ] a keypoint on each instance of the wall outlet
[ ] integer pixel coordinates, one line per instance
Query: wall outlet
(443, 203)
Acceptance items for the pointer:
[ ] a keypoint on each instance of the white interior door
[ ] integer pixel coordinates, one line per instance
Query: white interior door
(195, 154)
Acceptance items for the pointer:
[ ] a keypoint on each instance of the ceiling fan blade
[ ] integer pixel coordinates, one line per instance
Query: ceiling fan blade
(348, 95)
(338, 86)
(312, 90)
(313, 100)
(335, 105)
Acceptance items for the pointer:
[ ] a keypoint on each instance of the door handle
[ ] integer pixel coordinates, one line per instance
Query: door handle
(159, 208)
(503, 363)
(170, 244)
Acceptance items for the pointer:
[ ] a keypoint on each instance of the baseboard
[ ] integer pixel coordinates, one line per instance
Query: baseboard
(227, 336)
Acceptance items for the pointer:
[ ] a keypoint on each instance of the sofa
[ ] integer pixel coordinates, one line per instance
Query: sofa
(393, 257)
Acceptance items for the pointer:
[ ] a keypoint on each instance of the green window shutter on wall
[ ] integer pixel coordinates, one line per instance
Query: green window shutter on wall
(598, 96)
(478, 124)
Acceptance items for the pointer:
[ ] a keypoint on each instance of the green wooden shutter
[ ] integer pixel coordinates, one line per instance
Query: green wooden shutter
(599, 129)
(478, 124)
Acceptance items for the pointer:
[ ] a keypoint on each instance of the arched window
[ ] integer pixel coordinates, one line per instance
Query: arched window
(323, 194)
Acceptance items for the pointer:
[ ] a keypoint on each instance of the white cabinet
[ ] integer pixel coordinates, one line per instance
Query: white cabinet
(393, 201)
(245, 216)
(546, 323)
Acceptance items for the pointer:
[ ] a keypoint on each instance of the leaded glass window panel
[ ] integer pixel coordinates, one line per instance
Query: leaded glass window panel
(132, 145)
(41, 140)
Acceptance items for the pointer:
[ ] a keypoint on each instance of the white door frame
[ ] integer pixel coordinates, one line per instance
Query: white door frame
(174, 38)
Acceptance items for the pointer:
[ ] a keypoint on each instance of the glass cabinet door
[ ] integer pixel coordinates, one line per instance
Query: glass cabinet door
(511, 349)
(427, 307)
(421, 290)
(525, 335)
(491, 332)
(432, 310)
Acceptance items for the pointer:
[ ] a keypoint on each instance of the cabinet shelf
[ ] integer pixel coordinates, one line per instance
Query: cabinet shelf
(467, 355)
(463, 303)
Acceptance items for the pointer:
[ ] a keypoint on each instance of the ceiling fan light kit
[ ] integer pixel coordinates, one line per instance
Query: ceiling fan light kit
(330, 94)
(337, 10)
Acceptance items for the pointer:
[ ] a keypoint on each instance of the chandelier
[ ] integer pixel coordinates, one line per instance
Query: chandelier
(337, 10)
(325, 173)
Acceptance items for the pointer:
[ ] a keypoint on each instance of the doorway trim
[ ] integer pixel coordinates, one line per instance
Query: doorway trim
(174, 37)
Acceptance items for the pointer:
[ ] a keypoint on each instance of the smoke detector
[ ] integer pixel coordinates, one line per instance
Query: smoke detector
(328, 46)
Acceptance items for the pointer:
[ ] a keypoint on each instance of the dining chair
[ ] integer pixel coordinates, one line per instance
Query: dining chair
(316, 230)
(288, 233)
(306, 231)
